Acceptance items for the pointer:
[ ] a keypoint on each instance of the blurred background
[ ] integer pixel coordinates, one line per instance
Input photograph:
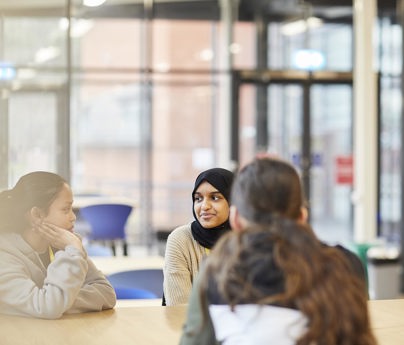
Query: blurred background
(133, 98)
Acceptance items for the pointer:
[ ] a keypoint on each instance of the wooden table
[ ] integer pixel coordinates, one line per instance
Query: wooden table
(387, 317)
(134, 325)
(154, 325)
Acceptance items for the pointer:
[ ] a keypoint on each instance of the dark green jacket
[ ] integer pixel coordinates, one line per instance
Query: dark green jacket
(192, 332)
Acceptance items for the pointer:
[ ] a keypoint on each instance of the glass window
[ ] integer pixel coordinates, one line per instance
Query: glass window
(144, 99)
(332, 166)
(106, 135)
(175, 47)
(390, 162)
(106, 43)
(390, 66)
(183, 143)
(330, 46)
(32, 139)
(33, 76)
(34, 43)
(145, 136)
(285, 124)
(244, 46)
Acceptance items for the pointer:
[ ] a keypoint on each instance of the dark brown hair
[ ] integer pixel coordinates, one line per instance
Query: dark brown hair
(267, 188)
(315, 279)
(35, 189)
(279, 261)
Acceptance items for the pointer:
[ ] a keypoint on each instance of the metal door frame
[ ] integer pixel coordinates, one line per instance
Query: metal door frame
(262, 79)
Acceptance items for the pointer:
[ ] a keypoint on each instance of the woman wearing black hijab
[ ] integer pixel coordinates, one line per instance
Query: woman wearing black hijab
(188, 244)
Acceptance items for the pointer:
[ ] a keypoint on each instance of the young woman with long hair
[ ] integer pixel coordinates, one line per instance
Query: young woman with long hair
(45, 271)
(271, 280)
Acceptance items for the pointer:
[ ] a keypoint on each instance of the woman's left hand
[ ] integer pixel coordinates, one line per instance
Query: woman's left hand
(59, 237)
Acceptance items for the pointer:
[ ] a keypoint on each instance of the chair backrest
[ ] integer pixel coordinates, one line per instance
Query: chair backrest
(107, 221)
(132, 293)
(145, 279)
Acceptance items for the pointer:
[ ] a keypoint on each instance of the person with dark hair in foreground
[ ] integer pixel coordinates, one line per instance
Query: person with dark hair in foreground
(271, 279)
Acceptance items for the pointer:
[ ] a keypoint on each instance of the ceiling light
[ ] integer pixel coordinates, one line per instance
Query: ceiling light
(93, 3)
(206, 55)
(162, 66)
(309, 59)
(235, 48)
(46, 54)
(299, 26)
(79, 26)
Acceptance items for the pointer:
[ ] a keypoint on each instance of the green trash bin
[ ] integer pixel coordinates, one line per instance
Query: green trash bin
(361, 250)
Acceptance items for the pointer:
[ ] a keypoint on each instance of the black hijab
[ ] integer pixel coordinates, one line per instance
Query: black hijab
(222, 180)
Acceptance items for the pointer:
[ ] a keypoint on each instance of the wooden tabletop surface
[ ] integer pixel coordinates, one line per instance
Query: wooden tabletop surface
(387, 317)
(134, 325)
(154, 325)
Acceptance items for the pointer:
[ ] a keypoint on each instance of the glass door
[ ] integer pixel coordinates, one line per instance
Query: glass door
(331, 170)
(309, 123)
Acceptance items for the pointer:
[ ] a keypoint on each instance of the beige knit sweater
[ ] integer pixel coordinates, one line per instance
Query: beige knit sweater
(182, 258)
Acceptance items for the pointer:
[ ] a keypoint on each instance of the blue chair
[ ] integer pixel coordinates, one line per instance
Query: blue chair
(131, 293)
(107, 223)
(145, 279)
